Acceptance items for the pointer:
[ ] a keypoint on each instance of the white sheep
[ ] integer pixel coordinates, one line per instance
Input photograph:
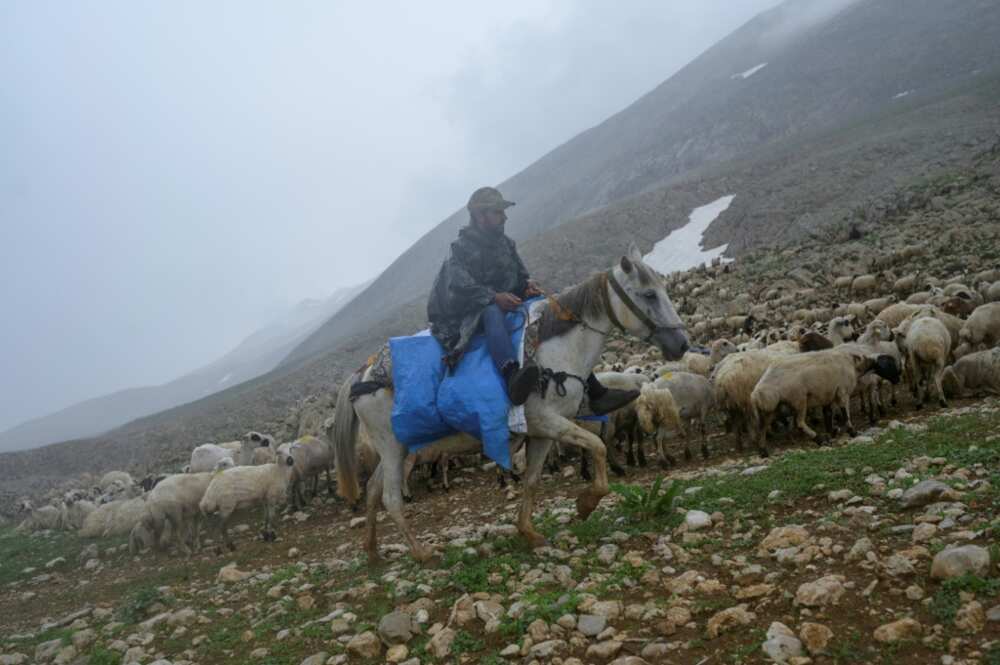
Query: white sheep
(174, 504)
(977, 372)
(112, 477)
(41, 519)
(695, 400)
(733, 380)
(925, 341)
(206, 456)
(74, 513)
(245, 487)
(313, 455)
(808, 380)
(991, 293)
(114, 519)
(256, 449)
(656, 411)
(982, 328)
(864, 284)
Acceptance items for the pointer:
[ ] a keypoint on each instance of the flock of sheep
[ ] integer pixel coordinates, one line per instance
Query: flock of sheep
(941, 339)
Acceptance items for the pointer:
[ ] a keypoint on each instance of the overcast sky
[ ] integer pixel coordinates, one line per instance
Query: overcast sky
(175, 174)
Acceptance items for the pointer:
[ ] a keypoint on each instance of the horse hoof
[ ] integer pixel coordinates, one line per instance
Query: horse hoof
(704, 453)
(586, 504)
(536, 540)
(423, 555)
(407, 499)
(943, 404)
(764, 452)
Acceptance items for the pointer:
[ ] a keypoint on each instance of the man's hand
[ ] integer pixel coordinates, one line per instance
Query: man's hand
(532, 289)
(508, 302)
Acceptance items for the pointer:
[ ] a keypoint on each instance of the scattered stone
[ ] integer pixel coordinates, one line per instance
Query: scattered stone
(548, 648)
(904, 629)
(440, 645)
(397, 653)
(366, 645)
(815, 636)
(606, 554)
(604, 650)
(924, 532)
(339, 626)
(783, 537)
(928, 491)
(356, 522)
(971, 618)
(316, 659)
(824, 591)
(609, 609)
(994, 614)
(229, 574)
(781, 643)
(861, 547)
(395, 628)
(591, 625)
(957, 561)
(914, 592)
(696, 520)
(729, 618)
(294, 553)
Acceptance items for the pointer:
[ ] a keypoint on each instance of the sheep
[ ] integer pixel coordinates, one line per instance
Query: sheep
(150, 481)
(74, 513)
(840, 329)
(114, 519)
(312, 456)
(695, 399)
(814, 341)
(256, 449)
(863, 284)
(43, 518)
(655, 411)
(904, 286)
(982, 328)
(992, 293)
(624, 423)
(783, 347)
(893, 315)
(733, 380)
(952, 323)
(821, 378)
(843, 283)
(206, 456)
(977, 372)
(174, 503)
(876, 305)
(925, 341)
(112, 477)
(244, 487)
(877, 339)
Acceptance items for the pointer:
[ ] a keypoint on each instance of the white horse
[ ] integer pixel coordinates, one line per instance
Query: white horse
(629, 296)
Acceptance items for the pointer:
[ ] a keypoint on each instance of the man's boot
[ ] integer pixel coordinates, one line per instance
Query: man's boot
(605, 400)
(521, 381)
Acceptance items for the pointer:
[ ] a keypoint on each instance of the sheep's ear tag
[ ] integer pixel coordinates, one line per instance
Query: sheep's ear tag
(666, 375)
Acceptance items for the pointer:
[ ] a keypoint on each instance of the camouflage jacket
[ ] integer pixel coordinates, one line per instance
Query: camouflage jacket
(480, 266)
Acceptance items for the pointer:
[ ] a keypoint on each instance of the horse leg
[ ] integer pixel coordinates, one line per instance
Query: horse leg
(392, 498)
(537, 453)
(565, 430)
(373, 500)
(411, 461)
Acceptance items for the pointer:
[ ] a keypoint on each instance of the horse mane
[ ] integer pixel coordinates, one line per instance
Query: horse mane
(582, 300)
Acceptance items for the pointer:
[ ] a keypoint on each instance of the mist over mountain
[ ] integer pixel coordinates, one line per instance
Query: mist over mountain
(255, 355)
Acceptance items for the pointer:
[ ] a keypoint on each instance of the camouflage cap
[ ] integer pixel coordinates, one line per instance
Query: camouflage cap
(488, 198)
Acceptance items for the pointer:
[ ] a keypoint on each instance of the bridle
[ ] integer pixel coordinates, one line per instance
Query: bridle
(608, 279)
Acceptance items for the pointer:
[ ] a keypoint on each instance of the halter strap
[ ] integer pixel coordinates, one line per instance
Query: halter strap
(644, 319)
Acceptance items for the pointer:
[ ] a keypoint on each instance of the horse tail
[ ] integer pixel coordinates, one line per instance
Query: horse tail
(345, 434)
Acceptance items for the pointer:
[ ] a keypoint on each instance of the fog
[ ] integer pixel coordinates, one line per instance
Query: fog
(174, 175)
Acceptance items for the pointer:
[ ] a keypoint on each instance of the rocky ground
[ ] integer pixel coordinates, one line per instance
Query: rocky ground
(880, 549)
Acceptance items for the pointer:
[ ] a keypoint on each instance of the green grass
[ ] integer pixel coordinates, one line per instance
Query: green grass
(946, 602)
(102, 656)
(20, 550)
(134, 609)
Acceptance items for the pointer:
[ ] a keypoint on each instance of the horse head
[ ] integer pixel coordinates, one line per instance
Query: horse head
(639, 301)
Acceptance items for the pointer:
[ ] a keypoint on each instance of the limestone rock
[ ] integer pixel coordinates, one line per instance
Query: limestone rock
(815, 636)
(440, 644)
(783, 537)
(781, 643)
(928, 491)
(397, 653)
(591, 625)
(957, 561)
(971, 618)
(604, 650)
(727, 619)
(824, 591)
(697, 520)
(316, 659)
(904, 629)
(230, 574)
(365, 645)
(395, 628)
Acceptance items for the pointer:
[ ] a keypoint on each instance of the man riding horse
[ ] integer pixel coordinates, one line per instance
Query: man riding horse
(481, 280)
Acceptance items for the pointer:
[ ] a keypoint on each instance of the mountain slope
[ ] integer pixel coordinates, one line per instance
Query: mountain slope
(827, 61)
(255, 355)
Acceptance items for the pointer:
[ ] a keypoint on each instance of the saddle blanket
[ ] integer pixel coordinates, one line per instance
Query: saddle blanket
(429, 403)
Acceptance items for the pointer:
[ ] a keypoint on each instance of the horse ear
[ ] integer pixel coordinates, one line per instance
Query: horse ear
(626, 265)
(633, 252)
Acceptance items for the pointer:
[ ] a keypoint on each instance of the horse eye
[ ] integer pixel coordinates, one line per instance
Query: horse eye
(649, 295)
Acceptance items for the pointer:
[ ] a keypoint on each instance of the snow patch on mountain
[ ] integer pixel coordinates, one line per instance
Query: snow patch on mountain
(750, 72)
(682, 249)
